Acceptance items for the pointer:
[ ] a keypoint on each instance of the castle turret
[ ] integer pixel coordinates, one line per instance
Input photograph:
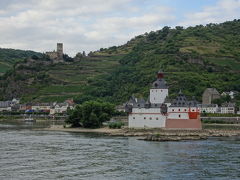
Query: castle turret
(60, 50)
(159, 90)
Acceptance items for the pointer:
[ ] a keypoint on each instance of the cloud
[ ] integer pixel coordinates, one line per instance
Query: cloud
(224, 10)
(87, 25)
(80, 24)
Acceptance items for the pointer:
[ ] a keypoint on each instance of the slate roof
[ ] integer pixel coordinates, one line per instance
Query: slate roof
(181, 101)
(160, 84)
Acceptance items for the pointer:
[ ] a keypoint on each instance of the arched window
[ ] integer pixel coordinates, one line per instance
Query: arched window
(172, 109)
(178, 109)
(144, 117)
(156, 118)
(150, 118)
(179, 115)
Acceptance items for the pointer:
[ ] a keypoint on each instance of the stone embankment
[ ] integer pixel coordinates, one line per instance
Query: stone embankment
(155, 134)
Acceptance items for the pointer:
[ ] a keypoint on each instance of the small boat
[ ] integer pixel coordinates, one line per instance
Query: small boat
(29, 119)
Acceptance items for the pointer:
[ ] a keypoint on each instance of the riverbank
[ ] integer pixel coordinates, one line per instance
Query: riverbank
(159, 134)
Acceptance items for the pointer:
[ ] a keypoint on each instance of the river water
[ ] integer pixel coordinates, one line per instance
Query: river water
(26, 153)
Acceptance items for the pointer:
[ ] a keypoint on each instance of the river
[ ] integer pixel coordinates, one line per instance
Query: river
(26, 153)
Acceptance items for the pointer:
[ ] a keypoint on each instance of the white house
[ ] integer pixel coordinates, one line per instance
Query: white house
(41, 107)
(59, 108)
(5, 106)
(227, 108)
(208, 108)
(232, 94)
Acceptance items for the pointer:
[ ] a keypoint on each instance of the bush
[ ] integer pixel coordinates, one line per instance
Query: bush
(115, 125)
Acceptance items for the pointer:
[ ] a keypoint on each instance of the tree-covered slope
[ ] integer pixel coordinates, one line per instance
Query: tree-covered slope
(193, 59)
(8, 57)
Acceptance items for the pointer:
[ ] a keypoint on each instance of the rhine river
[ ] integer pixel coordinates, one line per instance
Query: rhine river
(29, 154)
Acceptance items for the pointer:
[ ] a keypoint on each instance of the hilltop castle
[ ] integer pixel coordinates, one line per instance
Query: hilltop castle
(56, 56)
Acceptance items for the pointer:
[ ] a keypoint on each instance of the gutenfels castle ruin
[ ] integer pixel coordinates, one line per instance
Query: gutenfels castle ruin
(56, 56)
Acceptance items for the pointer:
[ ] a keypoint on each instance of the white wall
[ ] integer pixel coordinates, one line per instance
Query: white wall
(6, 109)
(209, 109)
(146, 110)
(158, 95)
(146, 120)
(227, 110)
(180, 112)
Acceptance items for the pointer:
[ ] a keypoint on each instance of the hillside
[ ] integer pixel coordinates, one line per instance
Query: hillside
(193, 59)
(8, 57)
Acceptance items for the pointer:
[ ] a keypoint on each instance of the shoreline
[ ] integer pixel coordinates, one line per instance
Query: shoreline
(155, 134)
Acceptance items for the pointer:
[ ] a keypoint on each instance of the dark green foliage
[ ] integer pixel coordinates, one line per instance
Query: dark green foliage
(8, 57)
(216, 122)
(91, 114)
(115, 125)
(67, 58)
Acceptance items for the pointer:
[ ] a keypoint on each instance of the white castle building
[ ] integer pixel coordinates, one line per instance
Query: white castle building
(157, 112)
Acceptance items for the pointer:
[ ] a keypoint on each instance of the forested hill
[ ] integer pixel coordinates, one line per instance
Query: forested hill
(8, 57)
(193, 59)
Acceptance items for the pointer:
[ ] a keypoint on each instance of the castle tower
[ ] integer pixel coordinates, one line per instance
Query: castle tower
(159, 90)
(60, 50)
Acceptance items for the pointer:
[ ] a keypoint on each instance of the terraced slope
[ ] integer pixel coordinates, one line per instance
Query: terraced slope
(193, 59)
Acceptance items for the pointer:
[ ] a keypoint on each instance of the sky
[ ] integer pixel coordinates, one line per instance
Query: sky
(88, 25)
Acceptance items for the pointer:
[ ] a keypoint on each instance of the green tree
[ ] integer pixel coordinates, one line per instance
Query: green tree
(91, 114)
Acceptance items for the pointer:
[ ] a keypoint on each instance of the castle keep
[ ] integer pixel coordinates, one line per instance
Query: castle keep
(56, 55)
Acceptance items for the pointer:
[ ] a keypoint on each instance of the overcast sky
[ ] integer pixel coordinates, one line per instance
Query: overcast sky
(87, 25)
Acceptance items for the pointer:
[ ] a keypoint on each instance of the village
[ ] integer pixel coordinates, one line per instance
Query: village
(154, 109)
(44, 108)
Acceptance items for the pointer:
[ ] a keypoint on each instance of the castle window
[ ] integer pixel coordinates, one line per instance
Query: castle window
(185, 110)
(172, 109)
(150, 118)
(193, 110)
(178, 109)
(179, 115)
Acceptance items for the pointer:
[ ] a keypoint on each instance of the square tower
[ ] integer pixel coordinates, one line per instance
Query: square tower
(60, 49)
(159, 90)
